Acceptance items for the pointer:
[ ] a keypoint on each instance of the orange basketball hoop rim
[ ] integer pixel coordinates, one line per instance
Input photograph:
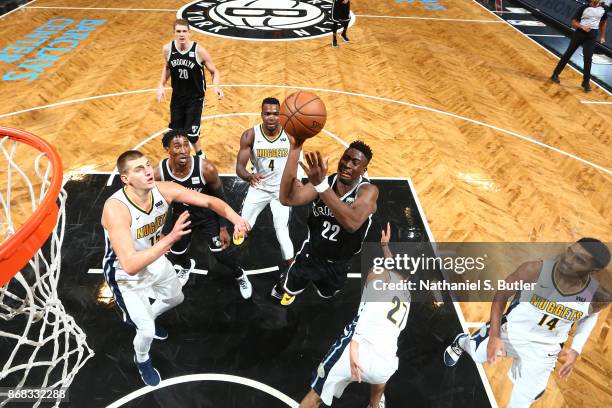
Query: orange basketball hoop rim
(27, 240)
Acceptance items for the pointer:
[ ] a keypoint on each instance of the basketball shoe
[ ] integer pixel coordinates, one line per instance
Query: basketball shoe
(246, 289)
(454, 351)
(148, 373)
(183, 273)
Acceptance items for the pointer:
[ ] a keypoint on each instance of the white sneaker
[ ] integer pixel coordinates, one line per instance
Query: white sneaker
(183, 274)
(246, 289)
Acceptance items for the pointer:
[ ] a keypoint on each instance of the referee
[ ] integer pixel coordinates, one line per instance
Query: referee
(588, 20)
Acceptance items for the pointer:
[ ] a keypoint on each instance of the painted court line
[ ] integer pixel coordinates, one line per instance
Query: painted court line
(596, 103)
(459, 20)
(207, 377)
(96, 8)
(73, 101)
(458, 311)
(18, 8)
(545, 35)
(96, 271)
(378, 98)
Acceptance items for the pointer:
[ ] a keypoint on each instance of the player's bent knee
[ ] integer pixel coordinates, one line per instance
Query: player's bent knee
(175, 301)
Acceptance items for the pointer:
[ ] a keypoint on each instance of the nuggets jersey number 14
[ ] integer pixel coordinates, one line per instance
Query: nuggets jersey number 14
(269, 158)
(545, 314)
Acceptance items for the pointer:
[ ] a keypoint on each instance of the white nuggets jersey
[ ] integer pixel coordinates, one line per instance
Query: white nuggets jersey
(382, 315)
(145, 228)
(545, 314)
(269, 158)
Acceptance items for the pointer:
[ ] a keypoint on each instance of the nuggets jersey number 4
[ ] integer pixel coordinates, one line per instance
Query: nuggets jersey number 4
(145, 227)
(545, 314)
(269, 158)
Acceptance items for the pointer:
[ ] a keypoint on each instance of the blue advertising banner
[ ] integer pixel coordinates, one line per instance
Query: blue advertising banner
(563, 11)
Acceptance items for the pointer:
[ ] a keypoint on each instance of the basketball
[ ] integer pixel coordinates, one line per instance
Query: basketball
(303, 115)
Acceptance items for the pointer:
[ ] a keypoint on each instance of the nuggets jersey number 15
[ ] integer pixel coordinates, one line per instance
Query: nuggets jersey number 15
(145, 227)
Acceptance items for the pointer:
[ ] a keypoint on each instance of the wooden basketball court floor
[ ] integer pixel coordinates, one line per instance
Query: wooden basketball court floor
(456, 99)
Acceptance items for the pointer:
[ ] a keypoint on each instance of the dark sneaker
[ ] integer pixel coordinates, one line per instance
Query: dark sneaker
(275, 293)
(555, 79)
(344, 37)
(334, 43)
(586, 87)
(148, 373)
(454, 351)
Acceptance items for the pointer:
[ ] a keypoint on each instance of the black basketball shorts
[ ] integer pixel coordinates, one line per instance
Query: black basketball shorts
(186, 113)
(327, 277)
(207, 223)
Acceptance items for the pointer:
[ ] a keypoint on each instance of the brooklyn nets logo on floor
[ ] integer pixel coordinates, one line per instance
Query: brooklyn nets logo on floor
(261, 20)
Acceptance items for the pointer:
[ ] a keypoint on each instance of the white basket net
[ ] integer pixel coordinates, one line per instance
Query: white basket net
(41, 346)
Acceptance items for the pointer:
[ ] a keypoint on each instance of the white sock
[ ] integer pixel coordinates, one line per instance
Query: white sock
(142, 345)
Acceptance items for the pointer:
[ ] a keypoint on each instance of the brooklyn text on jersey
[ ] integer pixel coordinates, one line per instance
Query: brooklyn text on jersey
(261, 20)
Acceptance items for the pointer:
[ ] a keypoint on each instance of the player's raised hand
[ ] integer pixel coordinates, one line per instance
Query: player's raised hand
(356, 368)
(495, 348)
(181, 227)
(294, 142)
(317, 167)
(570, 357)
(385, 235)
(241, 227)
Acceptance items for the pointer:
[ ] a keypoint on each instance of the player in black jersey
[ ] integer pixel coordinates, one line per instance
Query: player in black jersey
(341, 16)
(184, 62)
(339, 218)
(200, 175)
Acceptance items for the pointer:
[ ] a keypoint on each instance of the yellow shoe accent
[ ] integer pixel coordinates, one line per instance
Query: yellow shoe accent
(287, 299)
(238, 239)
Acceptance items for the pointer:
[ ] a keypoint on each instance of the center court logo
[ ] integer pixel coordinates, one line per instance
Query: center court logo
(261, 20)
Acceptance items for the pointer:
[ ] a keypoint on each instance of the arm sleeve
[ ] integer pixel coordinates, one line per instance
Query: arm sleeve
(583, 330)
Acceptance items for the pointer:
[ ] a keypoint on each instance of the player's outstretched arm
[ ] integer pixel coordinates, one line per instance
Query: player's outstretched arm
(246, 144)
(174, 192)
(165, 74)
(292, 191)
(527, 272)
(116, 220)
